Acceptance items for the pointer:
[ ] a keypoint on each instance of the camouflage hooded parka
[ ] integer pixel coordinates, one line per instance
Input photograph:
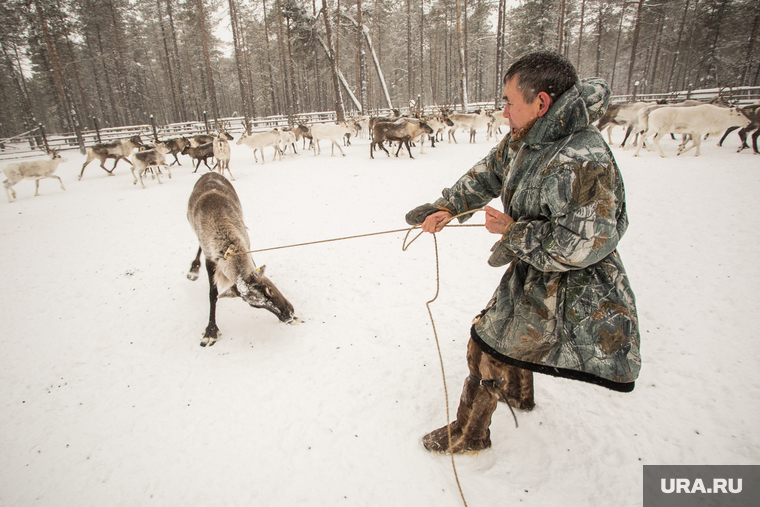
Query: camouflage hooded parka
(565, 305)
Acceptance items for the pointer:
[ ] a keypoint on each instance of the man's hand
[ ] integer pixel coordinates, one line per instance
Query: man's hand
(496, 221)
(437, 221)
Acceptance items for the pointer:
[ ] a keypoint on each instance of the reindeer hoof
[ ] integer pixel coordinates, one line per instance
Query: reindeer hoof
(209, 340)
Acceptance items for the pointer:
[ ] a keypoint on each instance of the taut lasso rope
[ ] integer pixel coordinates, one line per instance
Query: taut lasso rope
(405, 246)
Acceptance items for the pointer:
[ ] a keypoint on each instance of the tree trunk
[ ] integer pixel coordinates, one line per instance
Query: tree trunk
(462, 67)
(242, 82)
(617, 46)
(284, 59)
(561, 27)
(341, 77)
(499, 92)
(57, 68)
(678, 46)
(362, 81)
(434, 68)
(121, 70)
(116, 115)
(466, 56)
(634, 45)
(167, 67)
(337, 95)
(21, 96)
(657, 43)
(580, 37)
(750, 47)
(207, 59)
(375, 59)
(422, 49)
(295, 96)
(275, 106)
(599, 24)
(85, 112)
(409, 62)
(177, 62)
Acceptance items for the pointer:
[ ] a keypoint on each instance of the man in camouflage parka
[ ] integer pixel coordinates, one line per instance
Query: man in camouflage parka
(564, 307)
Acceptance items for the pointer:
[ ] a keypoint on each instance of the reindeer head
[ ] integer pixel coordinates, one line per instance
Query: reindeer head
(224, 131)
(258, 291)
(162, 147)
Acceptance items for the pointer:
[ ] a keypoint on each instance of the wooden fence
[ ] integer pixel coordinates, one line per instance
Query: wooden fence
(35, 142)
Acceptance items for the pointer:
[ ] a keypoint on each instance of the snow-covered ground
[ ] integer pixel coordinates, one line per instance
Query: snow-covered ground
(108, 399)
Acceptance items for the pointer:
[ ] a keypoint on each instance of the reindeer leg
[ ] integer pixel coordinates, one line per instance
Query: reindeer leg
(211, 335)
(36, 187)
(103, 166)
(725, 135)
(59, 180)
(406, 143)
(83, 166)
(195, 267)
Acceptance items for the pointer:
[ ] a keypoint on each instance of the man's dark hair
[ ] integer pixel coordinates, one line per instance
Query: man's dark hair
(542, 71)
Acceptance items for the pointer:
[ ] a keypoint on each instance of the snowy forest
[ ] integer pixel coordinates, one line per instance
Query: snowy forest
(66, 62)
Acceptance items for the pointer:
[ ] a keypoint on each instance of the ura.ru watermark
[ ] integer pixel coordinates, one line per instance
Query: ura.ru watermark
(717, 485)
(701, 485)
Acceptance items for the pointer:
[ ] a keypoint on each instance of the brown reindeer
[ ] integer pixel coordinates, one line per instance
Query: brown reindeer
(118, 150)
(216, 216)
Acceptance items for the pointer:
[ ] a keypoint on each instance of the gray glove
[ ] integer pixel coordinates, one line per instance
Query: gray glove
(420, 213)
(501, 256)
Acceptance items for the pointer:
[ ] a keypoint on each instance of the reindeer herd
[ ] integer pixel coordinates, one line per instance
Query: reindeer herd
(693, 119)
(645, 123)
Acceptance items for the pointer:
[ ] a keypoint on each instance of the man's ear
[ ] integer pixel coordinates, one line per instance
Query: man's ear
(545, 102)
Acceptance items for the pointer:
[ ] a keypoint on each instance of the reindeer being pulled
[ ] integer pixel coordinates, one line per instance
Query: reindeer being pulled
(215, 213)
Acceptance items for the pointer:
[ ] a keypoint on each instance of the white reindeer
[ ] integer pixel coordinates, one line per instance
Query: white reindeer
(468, 121)
(331, 132)
(32, 170)
(222, 153)
(262, 140)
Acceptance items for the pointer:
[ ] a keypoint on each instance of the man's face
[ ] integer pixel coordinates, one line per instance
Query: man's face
(516, 110)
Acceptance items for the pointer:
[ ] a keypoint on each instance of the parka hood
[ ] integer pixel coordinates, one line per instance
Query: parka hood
(577, 108)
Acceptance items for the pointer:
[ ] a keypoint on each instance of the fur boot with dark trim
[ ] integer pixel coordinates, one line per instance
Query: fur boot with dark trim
(469, 433)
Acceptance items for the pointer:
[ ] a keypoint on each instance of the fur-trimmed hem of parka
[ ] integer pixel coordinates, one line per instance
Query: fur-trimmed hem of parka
(622, 387)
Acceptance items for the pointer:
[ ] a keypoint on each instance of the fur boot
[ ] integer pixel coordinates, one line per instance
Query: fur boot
(470, 431)
(518, 388)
